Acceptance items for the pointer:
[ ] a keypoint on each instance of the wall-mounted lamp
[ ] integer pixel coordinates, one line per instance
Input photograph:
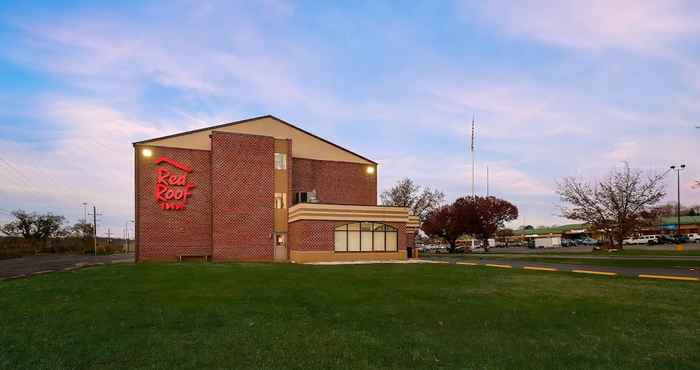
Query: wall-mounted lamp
(146, 152)
(370, 170)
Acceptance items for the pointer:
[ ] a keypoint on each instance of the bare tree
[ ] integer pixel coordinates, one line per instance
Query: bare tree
(618, 204)
(407, 194)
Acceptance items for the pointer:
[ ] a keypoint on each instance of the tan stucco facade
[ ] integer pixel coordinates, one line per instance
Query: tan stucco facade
(337, 212)
(330, 256)
(305, 145)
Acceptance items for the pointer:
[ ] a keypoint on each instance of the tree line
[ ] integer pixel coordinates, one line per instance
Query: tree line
(618, 205)
(31, 232)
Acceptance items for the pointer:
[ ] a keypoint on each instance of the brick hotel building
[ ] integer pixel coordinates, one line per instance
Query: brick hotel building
(261, 189)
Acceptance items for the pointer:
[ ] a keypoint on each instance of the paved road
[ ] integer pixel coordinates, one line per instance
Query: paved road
(28, 265)
(610, 256)
(623, 271)
(582, 249)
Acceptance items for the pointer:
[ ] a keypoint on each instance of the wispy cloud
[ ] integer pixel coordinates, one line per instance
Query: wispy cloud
(650, 26)
(559, 89)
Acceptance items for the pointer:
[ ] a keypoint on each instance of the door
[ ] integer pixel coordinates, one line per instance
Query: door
(280, 241)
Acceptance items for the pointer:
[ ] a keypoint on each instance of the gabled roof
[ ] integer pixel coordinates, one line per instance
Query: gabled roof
(157, 141)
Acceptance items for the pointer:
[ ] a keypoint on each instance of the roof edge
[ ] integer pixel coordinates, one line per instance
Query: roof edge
(248, 120)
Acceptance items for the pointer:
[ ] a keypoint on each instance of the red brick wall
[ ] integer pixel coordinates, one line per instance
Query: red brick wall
(335, 182)
(243, 191)
(161, 234)
(319, 235)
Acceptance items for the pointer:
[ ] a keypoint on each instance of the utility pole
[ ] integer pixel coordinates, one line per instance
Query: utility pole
(487, 181)
(85, 213)
(94, 215)
(678, 170)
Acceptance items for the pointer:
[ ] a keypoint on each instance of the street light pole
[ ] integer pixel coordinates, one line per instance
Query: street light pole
(678, 170)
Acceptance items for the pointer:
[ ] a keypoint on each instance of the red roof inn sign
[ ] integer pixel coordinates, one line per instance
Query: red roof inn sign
(172, 188)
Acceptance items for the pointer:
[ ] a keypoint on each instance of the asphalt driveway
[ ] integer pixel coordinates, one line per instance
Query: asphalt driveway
(44, 263)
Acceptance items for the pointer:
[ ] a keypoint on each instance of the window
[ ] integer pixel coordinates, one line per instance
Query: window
(305, 197)
(366, 237)
(280, 161)
(280, 200)
(279, 240)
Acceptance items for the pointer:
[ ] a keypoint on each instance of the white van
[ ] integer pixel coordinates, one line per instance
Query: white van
(642, 239)
(694, 238)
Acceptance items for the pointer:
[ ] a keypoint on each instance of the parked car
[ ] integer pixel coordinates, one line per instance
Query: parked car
(643, 239)
(680, 239)
(588, 241)
(694, 238)
(568, 243)
(665, 239)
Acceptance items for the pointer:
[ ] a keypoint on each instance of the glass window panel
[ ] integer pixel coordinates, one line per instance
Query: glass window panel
(353, 241)
(280, 200)
(366, 241)
(378, 227)
(355, 226)
(341, 227)
(378, 241)
(366, 226)
(341, 241)
(280, 161)
(391, 241)
(390, 228)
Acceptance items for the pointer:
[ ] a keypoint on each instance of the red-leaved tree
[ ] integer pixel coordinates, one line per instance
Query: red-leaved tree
(491, 215)
(478, 216)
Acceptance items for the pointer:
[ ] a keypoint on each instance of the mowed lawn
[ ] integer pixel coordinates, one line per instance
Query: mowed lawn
(169, 316)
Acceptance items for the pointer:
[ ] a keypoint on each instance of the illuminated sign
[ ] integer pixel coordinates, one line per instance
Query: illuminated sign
(172, 189)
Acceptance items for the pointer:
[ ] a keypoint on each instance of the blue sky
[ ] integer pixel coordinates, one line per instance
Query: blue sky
(558, 88)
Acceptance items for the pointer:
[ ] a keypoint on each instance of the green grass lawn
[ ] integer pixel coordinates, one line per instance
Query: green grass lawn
(167, 316)
(611, 262)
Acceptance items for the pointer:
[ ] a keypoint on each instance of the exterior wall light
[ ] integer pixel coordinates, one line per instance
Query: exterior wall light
(146, 152)
(370, 170)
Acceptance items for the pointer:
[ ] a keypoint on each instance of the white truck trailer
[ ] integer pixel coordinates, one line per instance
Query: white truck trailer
(548, 242)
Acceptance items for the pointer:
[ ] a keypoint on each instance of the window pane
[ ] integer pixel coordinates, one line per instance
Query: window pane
(391, 241)
(366, 241)
(341, 227)
(354, 226)
(378, 227)
(390, 228)
(280, 200)
(353, 241)
(366, 226)
(378, 241)
(280, 161)
(341, 242)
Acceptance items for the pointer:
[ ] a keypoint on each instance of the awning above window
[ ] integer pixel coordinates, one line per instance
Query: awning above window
(338, 212)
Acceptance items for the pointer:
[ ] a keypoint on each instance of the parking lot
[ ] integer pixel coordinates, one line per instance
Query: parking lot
(577, 249)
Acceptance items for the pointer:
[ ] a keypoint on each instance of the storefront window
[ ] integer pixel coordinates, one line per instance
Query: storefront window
(366, 237)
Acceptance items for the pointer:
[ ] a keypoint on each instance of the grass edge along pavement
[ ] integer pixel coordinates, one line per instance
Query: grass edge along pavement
(358, 316)
(591, 270)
